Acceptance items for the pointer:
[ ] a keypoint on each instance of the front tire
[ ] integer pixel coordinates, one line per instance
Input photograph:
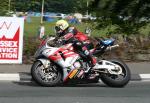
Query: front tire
(47, 77)
(115, 81)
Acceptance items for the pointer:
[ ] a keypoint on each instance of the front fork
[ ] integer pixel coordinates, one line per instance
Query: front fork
(46, 64)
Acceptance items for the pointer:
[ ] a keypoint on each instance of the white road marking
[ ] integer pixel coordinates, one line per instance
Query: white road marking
(144, 76)
(10, 77)
(18, 77)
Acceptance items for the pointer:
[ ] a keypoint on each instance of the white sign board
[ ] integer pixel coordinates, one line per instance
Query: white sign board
(11, 39)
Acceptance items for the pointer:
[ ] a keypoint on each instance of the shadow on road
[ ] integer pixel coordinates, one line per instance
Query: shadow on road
(34, 84)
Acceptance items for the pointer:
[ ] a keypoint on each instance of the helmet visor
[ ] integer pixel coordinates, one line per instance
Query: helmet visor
(57, 28)
(58, 31)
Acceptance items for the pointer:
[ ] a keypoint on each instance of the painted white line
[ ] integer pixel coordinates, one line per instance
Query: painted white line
(144, 76)
(9, 77)
(18, 77)
(148, 80)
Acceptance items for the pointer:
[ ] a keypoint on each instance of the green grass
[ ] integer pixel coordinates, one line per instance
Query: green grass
(31, 29)
(145, 30)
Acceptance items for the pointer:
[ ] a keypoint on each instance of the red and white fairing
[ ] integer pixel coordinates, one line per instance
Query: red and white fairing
(66, 61)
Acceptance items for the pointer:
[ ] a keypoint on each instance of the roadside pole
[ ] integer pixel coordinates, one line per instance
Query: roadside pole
(42, 12)
(42, 28)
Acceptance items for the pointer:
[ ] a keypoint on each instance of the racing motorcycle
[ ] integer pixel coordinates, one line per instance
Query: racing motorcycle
(62, 65)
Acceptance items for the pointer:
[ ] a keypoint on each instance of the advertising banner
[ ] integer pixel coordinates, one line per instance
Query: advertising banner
(11, 39)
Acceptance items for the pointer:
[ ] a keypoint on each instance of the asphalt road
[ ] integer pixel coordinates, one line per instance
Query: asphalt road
(27, 92)
(136, 68)
(21, 72)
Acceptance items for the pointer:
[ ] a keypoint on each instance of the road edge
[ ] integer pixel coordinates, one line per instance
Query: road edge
(17, 77)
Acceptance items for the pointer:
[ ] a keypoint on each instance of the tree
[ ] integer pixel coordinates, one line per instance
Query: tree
(3, 7)
(62, 6)
(128, 15)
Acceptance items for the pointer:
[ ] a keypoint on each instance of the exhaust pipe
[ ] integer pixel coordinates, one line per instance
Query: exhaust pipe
(112, 47)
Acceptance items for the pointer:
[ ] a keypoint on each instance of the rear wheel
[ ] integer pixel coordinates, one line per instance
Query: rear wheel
(50, 76)
(117, 80)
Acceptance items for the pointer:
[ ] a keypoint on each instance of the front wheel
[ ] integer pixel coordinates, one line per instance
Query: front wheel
(50, 76)
(117, 80)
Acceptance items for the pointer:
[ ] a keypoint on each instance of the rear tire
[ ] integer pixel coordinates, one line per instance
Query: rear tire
(112, 81)
(45, 76)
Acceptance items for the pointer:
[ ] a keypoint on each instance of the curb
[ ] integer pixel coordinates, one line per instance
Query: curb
(140, 77)
(15, 77)
(26, 77)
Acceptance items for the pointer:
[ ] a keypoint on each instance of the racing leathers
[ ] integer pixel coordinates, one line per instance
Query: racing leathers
(81, 44)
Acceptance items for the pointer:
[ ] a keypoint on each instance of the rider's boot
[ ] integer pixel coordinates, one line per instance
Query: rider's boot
(92, 61)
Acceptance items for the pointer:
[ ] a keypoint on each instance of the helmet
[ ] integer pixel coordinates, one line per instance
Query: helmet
(60, 26)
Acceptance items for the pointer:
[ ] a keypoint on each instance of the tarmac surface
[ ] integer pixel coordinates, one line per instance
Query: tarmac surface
(21, 72)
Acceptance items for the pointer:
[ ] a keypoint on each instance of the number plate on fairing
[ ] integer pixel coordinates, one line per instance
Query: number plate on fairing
(49, 51)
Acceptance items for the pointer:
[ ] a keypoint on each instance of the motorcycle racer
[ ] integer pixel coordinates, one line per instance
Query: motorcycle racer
(81, 42)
